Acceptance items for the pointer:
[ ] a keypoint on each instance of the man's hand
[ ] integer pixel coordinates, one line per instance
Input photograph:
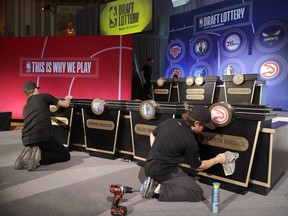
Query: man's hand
(221, 158)
(68, 97)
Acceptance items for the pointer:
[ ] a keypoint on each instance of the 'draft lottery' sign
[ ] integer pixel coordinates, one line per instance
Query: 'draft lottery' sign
(233, 37)
(125, 17)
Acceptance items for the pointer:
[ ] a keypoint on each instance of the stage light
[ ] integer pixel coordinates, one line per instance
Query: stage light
(177, 3)
(47, 7)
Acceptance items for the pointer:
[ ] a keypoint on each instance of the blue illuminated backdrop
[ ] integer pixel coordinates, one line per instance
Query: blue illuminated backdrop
(232, 37)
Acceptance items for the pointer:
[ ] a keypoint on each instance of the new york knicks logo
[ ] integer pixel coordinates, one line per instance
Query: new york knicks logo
(269, 70)
(175, 51)
(113, 17)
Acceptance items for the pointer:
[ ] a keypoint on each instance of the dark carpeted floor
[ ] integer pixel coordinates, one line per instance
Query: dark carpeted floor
(81, 187)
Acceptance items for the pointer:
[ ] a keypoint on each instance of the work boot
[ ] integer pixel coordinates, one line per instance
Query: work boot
(148, 187)
(22, 158)
(33, 161)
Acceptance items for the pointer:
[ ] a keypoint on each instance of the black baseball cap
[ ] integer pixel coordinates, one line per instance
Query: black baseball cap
(203, 115)
(29, 85)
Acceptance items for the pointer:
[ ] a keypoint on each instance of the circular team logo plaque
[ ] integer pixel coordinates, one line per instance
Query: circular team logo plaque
(97, 106)
(238, 79)
(147, 109)
(53, 108)
(199, 80)
(189, 81)
(160, 82)
(221, 114)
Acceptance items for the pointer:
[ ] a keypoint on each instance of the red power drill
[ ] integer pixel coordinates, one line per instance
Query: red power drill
(119, 191)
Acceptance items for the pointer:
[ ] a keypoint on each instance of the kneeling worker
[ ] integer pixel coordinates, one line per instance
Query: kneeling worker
(41, 147)
(174, 141)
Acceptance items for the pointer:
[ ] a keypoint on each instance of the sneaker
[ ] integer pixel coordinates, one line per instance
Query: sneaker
(34, 161)
(148, 187)
(20, 162)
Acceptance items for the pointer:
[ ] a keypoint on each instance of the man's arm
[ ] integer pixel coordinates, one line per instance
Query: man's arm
(143, 78)
(206, 164)
(152, 138)
(65, 103)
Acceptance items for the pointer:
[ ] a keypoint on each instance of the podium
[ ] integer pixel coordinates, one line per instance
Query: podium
(145, 116)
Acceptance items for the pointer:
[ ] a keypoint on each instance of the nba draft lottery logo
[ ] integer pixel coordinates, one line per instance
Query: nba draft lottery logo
(175, 51)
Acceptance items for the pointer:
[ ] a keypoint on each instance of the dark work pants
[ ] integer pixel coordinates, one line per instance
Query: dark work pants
(53, 152)
(181, 187)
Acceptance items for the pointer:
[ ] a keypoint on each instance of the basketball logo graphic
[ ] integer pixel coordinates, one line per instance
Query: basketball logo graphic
(269, 70)
(28, 67)
(221, 114)
(175, 51)
(97, 106)
(232, 42)
(200, 47)
(113, 17)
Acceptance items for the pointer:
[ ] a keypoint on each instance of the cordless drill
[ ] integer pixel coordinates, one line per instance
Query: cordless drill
(119, 191)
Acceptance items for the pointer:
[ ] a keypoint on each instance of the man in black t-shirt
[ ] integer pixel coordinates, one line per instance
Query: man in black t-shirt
(174, 141)
(41, 148)
(146, 74)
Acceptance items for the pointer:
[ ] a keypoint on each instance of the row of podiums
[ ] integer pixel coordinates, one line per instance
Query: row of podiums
(111, 129)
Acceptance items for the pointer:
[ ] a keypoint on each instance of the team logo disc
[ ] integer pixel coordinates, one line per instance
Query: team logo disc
(189, 81)
(199, 80)
(97, 106)
(53, 108)
(147, 109)
(238, 79)
(160, 82)
(221, 114)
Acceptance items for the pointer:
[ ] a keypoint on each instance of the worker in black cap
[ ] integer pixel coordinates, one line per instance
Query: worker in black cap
(41, 148)
(146, 74)
(174, 141)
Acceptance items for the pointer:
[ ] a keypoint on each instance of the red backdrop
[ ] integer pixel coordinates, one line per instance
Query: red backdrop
(102, 68)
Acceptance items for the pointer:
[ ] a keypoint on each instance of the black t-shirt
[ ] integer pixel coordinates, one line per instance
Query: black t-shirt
(147, 72)
(174, 143)
(37, 120)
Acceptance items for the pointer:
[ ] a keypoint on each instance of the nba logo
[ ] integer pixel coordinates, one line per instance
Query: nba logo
(113, 17)
(28, 67)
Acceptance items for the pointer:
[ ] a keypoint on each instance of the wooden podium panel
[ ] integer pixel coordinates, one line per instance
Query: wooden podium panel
(245, 92)
(270, 162)
(61, 119)
(161, 89)
(198, 94)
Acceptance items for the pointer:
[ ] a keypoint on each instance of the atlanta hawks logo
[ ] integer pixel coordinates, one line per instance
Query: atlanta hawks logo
(221, 114)
(269, 70)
